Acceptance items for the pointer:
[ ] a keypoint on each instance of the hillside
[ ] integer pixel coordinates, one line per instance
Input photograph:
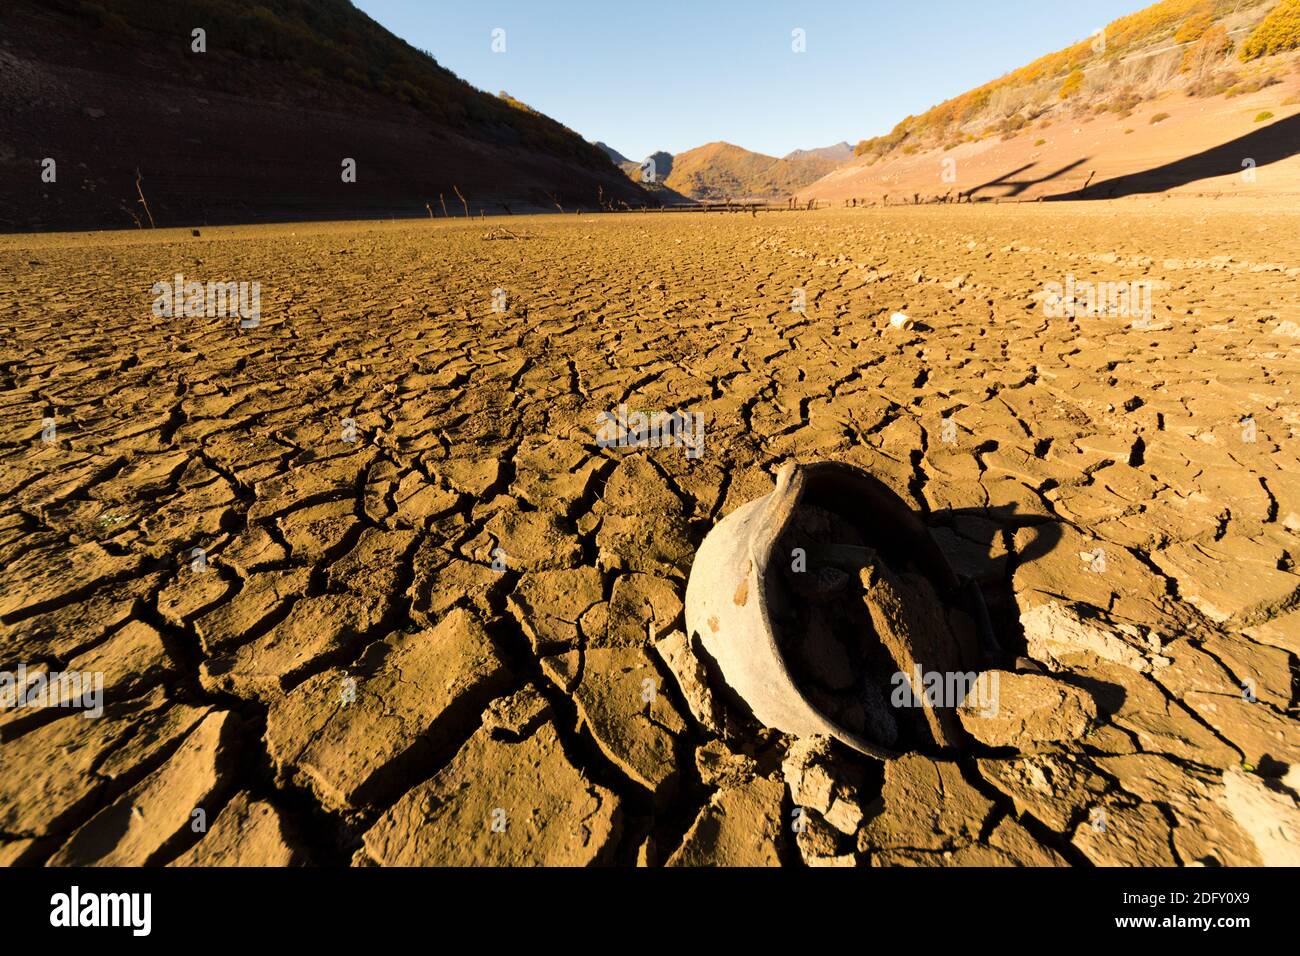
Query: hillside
(650, 178)
(256, 126)
(1182, 92)
(617, 158)
(720, 171)
(839, 153)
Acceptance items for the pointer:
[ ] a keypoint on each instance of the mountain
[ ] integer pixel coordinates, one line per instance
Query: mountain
(662, 166)
(839, 153)
(650, 178)
(617, 158)
(257, 124)
(720, 171)
(1169, 97)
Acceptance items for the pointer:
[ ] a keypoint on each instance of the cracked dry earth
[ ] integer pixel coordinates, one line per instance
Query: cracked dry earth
(458, 638)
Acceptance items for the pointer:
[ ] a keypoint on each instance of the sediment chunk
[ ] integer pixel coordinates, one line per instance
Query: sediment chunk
(351, 734)
(500, 803)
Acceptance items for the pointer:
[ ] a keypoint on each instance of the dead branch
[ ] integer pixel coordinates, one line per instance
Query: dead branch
(138, 178)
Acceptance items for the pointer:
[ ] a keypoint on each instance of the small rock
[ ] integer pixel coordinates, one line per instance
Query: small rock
(718, 766)
(514, 716)
(676, 652)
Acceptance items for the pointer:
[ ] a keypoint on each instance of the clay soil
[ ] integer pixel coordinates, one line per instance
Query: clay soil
(364, 589)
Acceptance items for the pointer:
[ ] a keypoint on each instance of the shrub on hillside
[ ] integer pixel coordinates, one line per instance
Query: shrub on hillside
(1073, 82)
(1159, 118)
(1124, 102)
(1213, 84)
(1252, 86)
(1276, 33)
(1012, 125)
(1213, 45)
(1194, 26)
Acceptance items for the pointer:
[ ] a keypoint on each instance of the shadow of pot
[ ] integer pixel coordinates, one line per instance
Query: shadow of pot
(730, 598)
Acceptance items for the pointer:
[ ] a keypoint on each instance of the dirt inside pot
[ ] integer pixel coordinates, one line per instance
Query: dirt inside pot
(856, 618)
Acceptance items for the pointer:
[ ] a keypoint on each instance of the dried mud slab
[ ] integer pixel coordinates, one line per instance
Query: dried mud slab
(247, 832)
(620, 702)
(1032, 712)
(69, 763)
(138, 827)
(741, 826)
(925, 806)
(500, 802)
(355, 736)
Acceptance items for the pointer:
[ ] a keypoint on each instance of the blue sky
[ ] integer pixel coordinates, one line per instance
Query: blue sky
(674, 74)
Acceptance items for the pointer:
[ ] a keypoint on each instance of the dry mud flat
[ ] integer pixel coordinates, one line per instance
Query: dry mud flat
(456, 638)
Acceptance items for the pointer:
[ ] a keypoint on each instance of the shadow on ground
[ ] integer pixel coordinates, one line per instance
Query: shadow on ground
(1261, 147)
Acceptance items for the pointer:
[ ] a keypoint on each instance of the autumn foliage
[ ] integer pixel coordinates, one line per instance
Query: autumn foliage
(1211, 47)
(1276, 33)
(1073, 82)
(1159, 22)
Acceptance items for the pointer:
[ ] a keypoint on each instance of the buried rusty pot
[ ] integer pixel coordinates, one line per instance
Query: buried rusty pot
(734, 604)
